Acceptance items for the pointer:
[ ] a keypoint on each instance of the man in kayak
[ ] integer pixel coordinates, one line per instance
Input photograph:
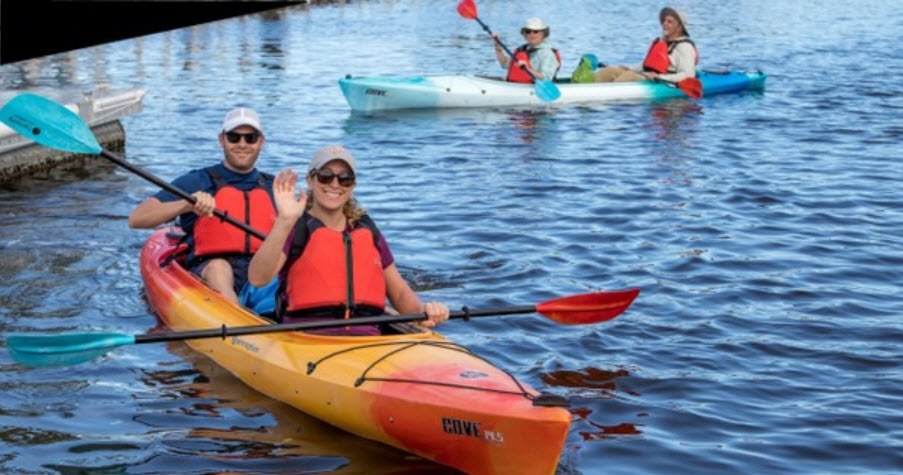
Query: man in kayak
(671, 58)
(331, 259)
(219, 252)
(536, 55)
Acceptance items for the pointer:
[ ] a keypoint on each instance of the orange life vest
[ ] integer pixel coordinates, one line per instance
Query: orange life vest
(254, 207)
(517, 74)
(335, 271)
(657, 58)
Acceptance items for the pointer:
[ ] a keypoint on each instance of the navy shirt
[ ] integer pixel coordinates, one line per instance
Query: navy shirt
(200, 180)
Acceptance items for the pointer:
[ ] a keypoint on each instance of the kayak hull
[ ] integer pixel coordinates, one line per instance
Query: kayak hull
(418, 392)
(365, 94)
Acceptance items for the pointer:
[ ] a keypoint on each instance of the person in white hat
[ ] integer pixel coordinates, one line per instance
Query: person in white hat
(536, 56)
(331, 260)
(219, 253)
(672, 57)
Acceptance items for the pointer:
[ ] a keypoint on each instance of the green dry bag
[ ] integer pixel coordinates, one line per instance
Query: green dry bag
(584, 71)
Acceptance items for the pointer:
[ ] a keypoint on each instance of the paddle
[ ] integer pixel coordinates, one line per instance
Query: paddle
(692, 87)
(74, 348)
(53, 125)
(545, 90)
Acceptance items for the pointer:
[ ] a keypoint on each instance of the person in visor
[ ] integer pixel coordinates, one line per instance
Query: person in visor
(331, 260)
(536, 55)
(219, 253)
(672, 57)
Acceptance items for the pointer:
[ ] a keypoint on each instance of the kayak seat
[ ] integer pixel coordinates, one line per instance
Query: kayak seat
(175, 235)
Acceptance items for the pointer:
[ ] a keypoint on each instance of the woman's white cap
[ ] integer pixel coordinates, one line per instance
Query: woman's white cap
(329, 153)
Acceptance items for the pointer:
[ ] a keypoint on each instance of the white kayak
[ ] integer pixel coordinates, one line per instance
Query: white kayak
(385, 93)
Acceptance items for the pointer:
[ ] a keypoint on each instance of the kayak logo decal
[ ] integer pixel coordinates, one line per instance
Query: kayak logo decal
(245, 344)
(471, 429)
(375, 92)
(472, 374)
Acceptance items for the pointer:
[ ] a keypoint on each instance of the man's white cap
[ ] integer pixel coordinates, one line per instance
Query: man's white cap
(240, 116)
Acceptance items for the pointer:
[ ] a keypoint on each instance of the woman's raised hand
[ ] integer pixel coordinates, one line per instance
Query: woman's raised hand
(287, 205)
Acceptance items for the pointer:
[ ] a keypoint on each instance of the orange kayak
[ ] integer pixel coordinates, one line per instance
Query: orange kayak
(410, 388)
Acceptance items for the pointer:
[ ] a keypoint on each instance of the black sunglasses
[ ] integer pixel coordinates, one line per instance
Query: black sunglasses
(527, 31)
(325, 176)
(250, 137)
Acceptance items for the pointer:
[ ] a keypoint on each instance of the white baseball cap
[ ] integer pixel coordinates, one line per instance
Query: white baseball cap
(240, 116)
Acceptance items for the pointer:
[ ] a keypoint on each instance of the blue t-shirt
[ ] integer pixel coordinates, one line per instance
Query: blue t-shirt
(200, 180)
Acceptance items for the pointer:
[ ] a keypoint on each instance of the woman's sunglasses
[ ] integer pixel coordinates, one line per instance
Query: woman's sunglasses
(250, 137)
(325, 176)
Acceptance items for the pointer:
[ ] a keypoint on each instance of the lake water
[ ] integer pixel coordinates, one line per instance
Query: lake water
(763, 229)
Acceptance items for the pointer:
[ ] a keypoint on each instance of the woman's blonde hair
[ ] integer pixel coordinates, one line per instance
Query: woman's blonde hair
(353, 210)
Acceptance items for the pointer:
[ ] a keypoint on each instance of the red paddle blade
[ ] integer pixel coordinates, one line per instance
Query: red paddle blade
(588, 308)
(467, 9)
(691, 86)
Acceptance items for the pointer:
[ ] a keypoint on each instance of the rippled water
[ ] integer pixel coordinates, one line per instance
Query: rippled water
(763, 228)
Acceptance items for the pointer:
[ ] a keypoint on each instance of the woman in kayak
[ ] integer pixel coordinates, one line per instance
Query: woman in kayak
(536, 55)
(330, 257)
(671, 58)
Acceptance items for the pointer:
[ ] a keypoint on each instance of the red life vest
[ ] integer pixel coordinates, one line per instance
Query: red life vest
(657, 58)
(517, 74)
(336, 272)
(254, 207)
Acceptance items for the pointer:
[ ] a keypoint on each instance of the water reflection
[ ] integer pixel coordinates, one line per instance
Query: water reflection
(118, 469)
(531, 125)
(675, 120)
(608, 432)
(592, 384)
(588, 378)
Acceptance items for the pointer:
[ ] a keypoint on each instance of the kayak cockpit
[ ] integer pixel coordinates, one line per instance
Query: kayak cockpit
(179, 252)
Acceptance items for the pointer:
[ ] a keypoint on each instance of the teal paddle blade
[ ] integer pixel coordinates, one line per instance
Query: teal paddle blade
(49, 124)
(546, 90)
(63, 350)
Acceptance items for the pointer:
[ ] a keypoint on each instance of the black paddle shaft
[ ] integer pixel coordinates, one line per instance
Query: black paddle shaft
(176, 191)
(225, 331)
(510, 54)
